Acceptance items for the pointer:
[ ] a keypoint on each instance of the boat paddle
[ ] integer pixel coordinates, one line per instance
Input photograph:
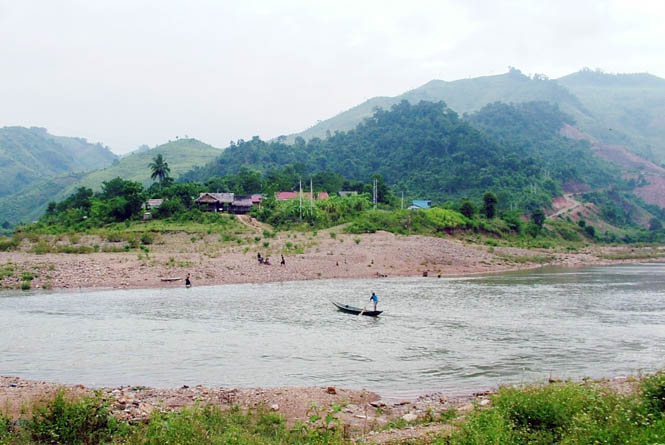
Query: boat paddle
(361, 312)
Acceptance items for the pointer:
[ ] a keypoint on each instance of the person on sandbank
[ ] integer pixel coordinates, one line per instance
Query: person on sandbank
(283, 262)
(188, 283)
(259, 257)
(267, 261)
(374, 299)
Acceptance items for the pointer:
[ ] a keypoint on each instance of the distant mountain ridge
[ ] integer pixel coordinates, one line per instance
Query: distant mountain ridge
(626, 109)
(28, 155)
(29, 203)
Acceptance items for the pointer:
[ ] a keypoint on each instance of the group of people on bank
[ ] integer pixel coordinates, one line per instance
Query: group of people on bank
(266, 260)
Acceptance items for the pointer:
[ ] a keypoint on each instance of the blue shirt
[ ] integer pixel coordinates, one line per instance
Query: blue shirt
(374, 298)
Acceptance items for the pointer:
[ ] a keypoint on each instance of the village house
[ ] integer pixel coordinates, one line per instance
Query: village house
(256, 200)
(227, 202)
(152, 204)
(241, 204)
(344, 193)
(420, 204)
(215, 202)
(149, 205)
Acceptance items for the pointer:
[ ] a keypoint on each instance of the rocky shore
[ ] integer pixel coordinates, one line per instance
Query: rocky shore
(362, 412)
(363, 415)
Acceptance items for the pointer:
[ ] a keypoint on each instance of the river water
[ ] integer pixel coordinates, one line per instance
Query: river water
(437, 334)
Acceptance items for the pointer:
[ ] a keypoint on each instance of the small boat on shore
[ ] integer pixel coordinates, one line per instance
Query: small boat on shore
(355, 310)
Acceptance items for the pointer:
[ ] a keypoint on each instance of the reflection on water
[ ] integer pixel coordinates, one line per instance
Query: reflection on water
(452, 335)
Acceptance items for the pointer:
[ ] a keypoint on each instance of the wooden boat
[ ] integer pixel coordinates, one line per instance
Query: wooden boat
(355, 310)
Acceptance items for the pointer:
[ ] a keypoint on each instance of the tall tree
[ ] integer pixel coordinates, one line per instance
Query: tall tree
(538, 217)
(489, 204)
(160, 168)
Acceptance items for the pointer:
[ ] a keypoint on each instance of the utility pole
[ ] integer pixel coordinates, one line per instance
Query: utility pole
(311, 195)
(374, 194)
(402, 200)
(300, 197)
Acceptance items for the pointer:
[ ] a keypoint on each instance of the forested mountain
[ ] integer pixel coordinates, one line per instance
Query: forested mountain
(181, 155)
(28, 155)
(428, 151)
(626, 108)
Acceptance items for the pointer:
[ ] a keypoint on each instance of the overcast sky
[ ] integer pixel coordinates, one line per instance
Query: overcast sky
(133, 72)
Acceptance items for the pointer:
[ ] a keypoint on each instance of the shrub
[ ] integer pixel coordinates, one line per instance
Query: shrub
(133, 241)
(653, 393)
(532, 229)
(5, 426)
(557, 413)
(146, 238)
(74, 249)
(114, 237)
(467, 208)
(74, 238)
(83, 421)
(42, 247)
(168, 208)
(25, 285)
(7, 244)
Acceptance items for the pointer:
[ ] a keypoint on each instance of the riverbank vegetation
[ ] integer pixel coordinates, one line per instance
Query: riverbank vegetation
(118, 209)
(568, 413)
(630, 412)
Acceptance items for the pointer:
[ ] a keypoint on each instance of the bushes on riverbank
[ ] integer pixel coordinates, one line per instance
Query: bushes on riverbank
(558, 413)
(88, 420)
(568, 413)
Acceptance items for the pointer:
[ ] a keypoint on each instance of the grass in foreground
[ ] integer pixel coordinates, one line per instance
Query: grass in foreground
(88, 420)
(568, 413)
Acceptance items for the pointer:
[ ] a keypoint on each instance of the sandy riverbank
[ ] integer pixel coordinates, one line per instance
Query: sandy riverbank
(212, 262)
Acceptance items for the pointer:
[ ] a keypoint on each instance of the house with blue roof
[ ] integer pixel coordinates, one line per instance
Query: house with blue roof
(419, 204)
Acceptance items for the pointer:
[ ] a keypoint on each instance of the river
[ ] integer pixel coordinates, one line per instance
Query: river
(454, 335)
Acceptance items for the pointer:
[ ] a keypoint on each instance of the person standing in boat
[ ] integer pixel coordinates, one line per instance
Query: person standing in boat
(374, 299)
(188, 283)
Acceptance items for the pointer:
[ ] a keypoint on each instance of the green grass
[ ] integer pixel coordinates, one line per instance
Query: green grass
(88, 420)
(7, 244)
(521, 259)
(634, 255)
(425, 222)
(567, 413)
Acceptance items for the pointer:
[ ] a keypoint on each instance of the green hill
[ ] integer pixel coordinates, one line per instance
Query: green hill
(28, 155)
(30, 203)
(181, 155)
(427, 151)
(463, 96)
(628, 108)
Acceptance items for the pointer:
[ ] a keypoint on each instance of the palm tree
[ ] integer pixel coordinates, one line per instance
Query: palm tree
(160, 168)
